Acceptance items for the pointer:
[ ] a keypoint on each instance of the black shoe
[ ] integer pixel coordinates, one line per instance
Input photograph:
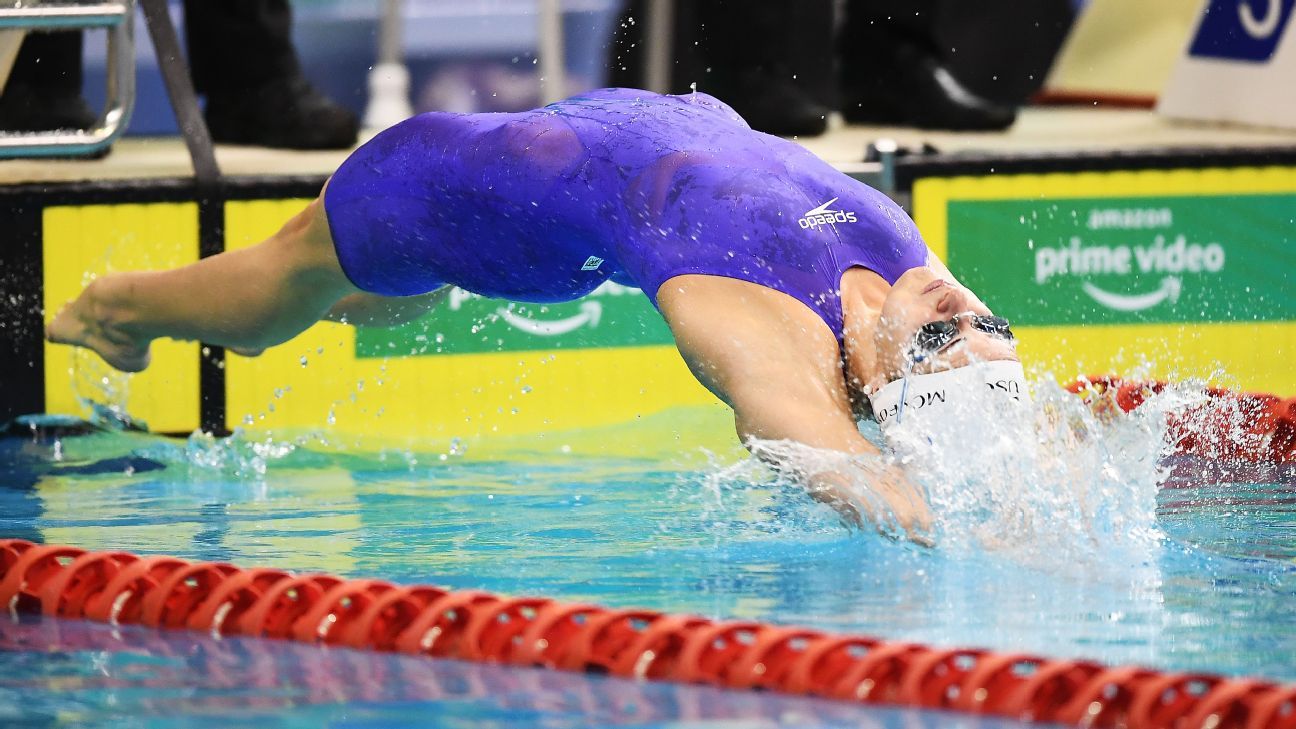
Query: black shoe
(283, 113)
(776, 106)
(917, 91)
(23, 109)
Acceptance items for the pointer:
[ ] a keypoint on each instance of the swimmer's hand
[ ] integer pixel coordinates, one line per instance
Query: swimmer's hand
(885, 499)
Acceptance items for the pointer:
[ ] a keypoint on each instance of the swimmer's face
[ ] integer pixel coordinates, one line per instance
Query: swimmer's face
(921, 296)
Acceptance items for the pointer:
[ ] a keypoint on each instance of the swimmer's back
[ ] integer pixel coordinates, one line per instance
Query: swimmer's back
(518, 206)
(547, 204)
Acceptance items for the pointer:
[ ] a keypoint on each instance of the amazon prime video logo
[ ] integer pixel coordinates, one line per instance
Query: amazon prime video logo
(1167, 258)
(1242, 30)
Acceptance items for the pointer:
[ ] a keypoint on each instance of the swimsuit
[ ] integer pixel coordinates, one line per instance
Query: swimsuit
(545, 205)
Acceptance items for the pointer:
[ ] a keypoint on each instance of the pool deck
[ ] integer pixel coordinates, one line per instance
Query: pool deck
(1047, 131)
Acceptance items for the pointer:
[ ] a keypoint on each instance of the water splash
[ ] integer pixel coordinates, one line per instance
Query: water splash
(238, 456)
(101, 391)
(1052, 482)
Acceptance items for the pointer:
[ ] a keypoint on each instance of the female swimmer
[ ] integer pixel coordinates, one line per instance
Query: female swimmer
(792, 290)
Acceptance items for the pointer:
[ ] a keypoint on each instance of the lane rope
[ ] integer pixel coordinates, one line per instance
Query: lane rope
(222, 599)
(472, 625)
(1227, 425)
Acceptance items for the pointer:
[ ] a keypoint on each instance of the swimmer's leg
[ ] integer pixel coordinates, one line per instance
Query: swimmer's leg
(246, 299)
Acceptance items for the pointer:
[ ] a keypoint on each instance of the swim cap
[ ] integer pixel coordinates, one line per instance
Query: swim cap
(963, 393)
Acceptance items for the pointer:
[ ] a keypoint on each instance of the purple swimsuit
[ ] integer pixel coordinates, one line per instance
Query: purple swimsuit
(545, 205)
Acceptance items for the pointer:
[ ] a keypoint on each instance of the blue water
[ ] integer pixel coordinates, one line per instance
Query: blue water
(56, 672)
(1213, 592)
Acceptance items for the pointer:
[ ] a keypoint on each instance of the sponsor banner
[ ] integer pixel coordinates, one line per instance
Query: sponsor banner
(1167, 274)
(611, 316)
(1240, 65)
(1241, 30)
(1200, 258)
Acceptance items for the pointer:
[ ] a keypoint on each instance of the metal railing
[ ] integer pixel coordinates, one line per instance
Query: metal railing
(119, 19)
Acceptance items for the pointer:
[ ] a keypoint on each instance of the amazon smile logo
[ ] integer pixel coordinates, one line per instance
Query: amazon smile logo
(1167, 259)
(590, 312)
(538, 320)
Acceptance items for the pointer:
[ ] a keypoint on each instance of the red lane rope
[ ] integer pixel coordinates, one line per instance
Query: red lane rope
(1254, 427)
(219, 598)
(166, 592)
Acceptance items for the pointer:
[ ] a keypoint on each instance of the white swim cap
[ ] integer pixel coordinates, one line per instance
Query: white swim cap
(961, 393)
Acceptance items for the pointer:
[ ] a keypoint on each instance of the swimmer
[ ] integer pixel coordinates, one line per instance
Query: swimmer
(794, 292)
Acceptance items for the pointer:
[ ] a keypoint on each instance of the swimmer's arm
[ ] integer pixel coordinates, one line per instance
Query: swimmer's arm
(770, 359)
(372, 310)
(812, 417)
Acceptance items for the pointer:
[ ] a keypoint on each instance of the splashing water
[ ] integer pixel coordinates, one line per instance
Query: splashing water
(101, 391)
(238, 455)
(1047, 483)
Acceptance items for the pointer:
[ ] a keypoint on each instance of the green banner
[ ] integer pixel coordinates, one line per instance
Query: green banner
(1170, 259)
(610, 316)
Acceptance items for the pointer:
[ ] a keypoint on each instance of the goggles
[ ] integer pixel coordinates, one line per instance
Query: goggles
(935, 336)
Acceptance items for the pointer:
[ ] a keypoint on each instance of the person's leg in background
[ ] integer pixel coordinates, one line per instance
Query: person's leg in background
(946, 64)
(895, 70)
(1005, 47)
(243, 61)
(771, 60)
(44, 88)
(628, 48)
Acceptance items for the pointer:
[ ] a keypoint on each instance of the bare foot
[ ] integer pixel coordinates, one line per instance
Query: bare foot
(86, 322)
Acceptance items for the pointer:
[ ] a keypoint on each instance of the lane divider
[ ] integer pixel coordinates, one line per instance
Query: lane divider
(221, 599)
(1253, 427)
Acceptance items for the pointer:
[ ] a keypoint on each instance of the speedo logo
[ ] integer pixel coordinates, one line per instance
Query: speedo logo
(825, 215)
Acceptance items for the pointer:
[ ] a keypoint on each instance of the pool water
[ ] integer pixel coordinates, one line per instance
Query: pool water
(1207, 586)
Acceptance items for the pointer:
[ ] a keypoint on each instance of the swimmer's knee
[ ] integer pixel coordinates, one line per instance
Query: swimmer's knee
(305, 253)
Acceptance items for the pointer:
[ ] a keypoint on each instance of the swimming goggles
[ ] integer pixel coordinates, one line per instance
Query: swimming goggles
(935, 336)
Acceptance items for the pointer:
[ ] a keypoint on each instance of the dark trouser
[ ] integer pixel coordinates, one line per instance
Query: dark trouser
(1000, 49)
(234, 44)
(718, 42)
(49, 63)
